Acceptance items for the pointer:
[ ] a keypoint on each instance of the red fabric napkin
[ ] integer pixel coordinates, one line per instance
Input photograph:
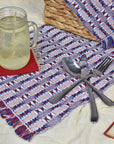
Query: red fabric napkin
(30, 67)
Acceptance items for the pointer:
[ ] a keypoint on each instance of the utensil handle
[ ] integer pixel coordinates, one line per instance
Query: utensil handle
(105, 99)
(64, 92)
(94, 111)
(57, 97)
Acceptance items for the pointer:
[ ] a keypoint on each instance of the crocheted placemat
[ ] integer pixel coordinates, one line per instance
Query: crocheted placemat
(97, 17)
(24, 98)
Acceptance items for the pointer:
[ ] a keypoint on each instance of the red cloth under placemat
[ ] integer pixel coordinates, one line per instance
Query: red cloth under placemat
(30, 67)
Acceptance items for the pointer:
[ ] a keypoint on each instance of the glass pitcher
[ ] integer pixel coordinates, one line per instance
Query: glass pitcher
(15, 38)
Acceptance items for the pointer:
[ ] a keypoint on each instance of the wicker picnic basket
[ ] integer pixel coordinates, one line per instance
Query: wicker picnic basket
(57, 14)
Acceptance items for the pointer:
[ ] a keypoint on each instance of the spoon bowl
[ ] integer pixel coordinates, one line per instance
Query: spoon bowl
(71, 67)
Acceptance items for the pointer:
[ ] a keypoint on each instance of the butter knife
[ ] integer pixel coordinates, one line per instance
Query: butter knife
(85, 71)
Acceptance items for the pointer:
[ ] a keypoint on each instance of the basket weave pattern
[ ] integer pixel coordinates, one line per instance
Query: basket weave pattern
(57, 14)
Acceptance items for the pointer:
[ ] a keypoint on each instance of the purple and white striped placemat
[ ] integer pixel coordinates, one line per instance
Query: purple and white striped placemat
(98, 18)
(24, 98)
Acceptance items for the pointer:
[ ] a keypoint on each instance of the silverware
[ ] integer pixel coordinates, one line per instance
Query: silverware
(96, 72)
(85, 71)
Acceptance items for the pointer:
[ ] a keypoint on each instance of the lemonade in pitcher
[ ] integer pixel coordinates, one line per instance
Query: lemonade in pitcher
(14, 43)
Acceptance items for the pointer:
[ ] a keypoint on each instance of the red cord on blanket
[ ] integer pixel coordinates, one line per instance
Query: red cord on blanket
(110, 132)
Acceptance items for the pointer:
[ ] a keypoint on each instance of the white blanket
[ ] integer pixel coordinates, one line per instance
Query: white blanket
(76, 128)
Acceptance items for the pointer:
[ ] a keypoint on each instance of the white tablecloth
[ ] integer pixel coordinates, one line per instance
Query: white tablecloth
(76, 128)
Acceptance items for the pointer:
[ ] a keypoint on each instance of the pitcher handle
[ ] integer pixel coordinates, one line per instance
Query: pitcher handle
(35, 28)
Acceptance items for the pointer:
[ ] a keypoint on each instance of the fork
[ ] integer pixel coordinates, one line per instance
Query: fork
(100, 68)
(96, 72)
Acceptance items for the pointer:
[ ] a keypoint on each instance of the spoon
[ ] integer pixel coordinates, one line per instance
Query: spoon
(73, 69)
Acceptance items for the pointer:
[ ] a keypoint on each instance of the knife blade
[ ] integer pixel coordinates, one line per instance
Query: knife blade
(85, 71)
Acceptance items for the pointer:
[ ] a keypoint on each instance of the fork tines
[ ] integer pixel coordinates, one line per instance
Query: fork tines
(104, 64)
